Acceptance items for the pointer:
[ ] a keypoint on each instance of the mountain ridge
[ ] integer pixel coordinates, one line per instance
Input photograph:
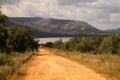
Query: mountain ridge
(117, 30)
(50, 26)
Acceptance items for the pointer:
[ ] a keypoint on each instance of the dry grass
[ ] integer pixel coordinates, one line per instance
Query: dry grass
(18, 65)
(106, 64)
(22, 71)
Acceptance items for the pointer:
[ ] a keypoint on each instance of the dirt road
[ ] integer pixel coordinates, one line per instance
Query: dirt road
(47, 66)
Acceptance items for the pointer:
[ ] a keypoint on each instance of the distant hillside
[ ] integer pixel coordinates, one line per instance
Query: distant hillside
(55, 27)
(114, 30)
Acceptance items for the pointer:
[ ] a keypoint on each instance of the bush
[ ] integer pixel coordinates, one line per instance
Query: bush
(3, 19)
(15, 38)
(85, 45)
(22, 40)
(5, 59)
(58, 44)
(49, 44)
(71, 44)
(3, 38)
(110, 44)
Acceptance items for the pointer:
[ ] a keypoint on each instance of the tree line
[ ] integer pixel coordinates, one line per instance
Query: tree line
(18, 39)
(110, 44)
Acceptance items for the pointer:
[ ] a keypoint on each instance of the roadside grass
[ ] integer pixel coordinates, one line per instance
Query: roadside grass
(106, 64)
(22, 71)
(13, 63)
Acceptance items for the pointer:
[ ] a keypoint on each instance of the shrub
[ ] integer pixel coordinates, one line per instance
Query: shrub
(84, 45)
(49, 44)
(5, 59)
(70, 45)
(58, 44)
(110, 44)
(21, 39)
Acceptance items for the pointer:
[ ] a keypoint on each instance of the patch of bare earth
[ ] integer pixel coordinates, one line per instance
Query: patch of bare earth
(47, 66)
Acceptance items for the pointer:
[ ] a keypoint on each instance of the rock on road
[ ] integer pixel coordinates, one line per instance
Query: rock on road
(47, 66)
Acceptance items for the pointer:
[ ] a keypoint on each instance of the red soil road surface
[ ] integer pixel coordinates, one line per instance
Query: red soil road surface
(47, 66)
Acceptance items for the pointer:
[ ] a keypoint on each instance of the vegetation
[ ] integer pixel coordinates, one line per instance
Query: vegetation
(10, 64)
(15, 38)
(96, 45)
(14, 44)
(22, 39)
(101, 54)
(111, 44)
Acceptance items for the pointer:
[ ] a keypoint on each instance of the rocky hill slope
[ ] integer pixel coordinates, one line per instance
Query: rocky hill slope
(54, 27)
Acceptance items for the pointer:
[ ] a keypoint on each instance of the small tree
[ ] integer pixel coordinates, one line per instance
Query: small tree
(110, 44)
(70, 45)
(49, 44)
(3, 32)
(85, 45)
(3, 38)
(3, 19)
(58, 44)
(21, 39)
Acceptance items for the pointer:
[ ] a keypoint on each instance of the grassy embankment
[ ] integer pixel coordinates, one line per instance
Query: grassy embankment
(106, 64)
(14, 64)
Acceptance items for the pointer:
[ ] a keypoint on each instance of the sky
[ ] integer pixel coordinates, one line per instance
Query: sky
(102, 14)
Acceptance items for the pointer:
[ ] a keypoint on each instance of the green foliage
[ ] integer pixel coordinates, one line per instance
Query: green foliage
(5, 59)
(96, 41)
(3, 32)
(58, 44)
(15, 38)
(3, 37)
(3, 19)
(22, 40)
(49, 44)
(110, 44)
(85, 45)
(70, 45)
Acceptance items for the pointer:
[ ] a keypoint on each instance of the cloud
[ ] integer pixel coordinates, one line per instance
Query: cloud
(74, 2)
(115, 17)
(102, 14)
(4, 2)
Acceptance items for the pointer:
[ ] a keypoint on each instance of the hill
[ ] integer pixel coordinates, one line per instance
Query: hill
(114, 30)
(54, 27)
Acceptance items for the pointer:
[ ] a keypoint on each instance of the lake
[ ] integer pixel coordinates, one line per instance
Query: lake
(52, 39)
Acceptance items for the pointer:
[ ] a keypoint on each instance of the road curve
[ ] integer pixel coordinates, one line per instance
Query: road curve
(47, 66)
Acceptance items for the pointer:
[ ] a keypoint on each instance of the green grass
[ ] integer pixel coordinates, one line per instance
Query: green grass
(106, 64)
(11, 63)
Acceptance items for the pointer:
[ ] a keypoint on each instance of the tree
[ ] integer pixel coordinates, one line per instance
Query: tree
(110, 44)
(85, 45)
(21, 39)
(3, 33)
(3, 38)
(49, 44)
(58, 44)
(70, 45)
(15, 38)
(3, 19)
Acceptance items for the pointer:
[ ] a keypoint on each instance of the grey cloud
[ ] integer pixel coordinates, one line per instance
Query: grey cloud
(110, 8)
(95, 12)
(74, 2)
(4, 2)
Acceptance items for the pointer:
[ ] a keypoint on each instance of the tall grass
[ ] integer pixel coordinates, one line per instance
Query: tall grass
(107, 64)
(10, 63)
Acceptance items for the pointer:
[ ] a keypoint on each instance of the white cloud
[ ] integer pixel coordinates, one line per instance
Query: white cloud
(103, 14)
(115, 17)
